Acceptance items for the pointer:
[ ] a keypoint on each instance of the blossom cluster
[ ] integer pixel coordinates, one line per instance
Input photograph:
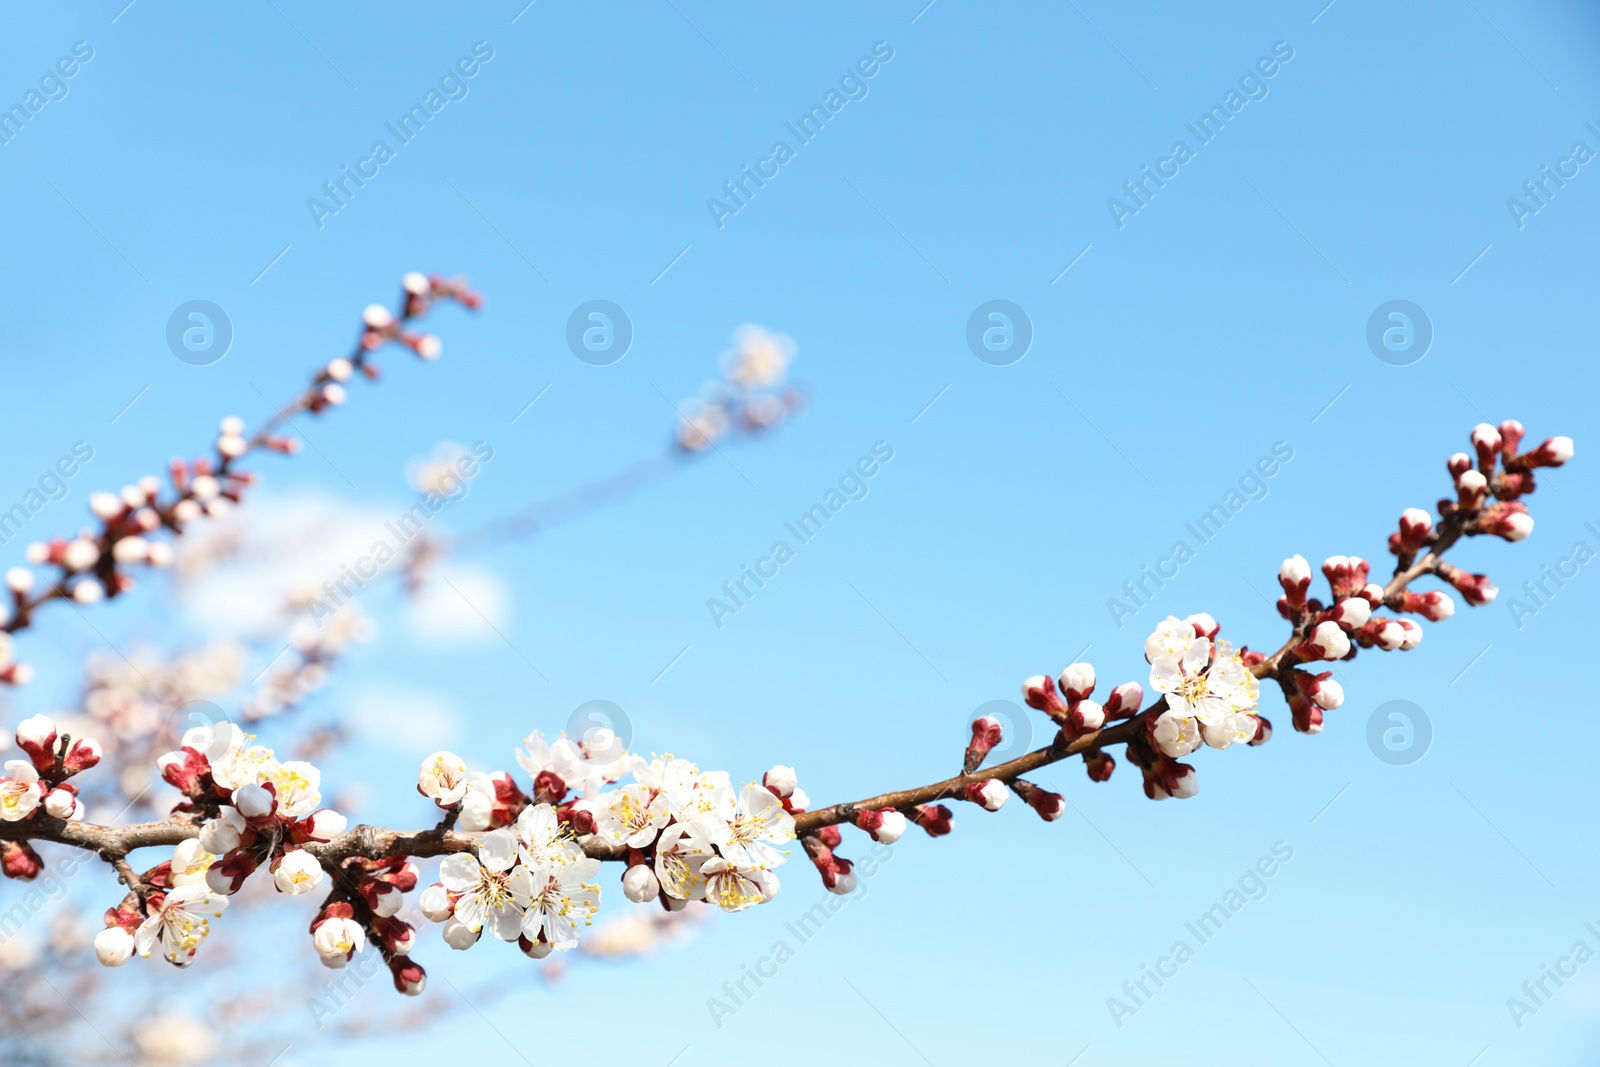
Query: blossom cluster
(257, 811)
(39, 787)
(521, 856)
(97, 562)
(685, 835)
(749, 397)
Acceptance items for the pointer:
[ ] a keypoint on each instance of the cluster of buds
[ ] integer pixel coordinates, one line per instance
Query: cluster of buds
(1066, 700)
(362, 912)
(93, 565)
(749, 397)
(39, 787)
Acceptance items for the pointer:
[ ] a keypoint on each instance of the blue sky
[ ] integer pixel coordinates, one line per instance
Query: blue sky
(1228, 314)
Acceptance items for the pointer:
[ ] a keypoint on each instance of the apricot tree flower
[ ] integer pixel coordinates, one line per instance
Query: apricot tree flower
(680, 854)
(443, 778)
(489, 889)
(746, 835)
(563, 895)
(19, 790)
(178, 923)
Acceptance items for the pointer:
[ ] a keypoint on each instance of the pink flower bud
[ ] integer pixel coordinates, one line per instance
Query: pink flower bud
(385, 899)
(1475, 589)
(1352, 613)
(1263, 730)
(1307, 716)
(1385, 634)
(1416, 529)
(1050, 806)
(1295, 577)
(36, 735)
(1320, 689)
(227, 874)
(1326, 641)
(18, 860)
(885, 826)
(1346, 575)
(989, 794)
(1486, 441)
(780, 781)
(1433, 606)
(435, 904)
(1077, 682)
(1099, 765)
(1086, 717)
(1553, 453)
(83, 754)
(60, 803)
(1507, 519)
(1204, 625)
(1413, 634)
(986, 733)
(1472, 487)
(1124, 701)
(936, 819)
(1040, 693)
(182, 769)
(409, 978)
(397, 935)
(1457, 463)
(1511, 434)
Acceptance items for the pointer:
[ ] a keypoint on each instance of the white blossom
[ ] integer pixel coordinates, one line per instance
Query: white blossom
(336, 940)
(680, 853)
(639, 884)
(221, 835)
(113, 946)
(734, 888)
(746, 836)
(443, 778)
(19, 791)
(179, 924)
(541, 839)
(298, 872)
(564, 894)
(632, 816)
(490, 888)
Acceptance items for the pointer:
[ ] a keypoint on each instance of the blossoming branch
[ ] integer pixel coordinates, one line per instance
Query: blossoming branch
(521, 856)
(95, 564)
